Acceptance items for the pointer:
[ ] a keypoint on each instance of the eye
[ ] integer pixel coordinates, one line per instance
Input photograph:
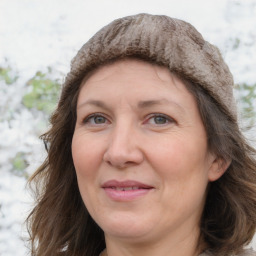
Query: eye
(160, 119)
(95, 119)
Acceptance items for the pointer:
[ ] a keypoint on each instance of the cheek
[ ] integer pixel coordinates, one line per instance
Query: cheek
(181, 163)
(184, 175)
(180, 152)
(86, 160)
(85, 157)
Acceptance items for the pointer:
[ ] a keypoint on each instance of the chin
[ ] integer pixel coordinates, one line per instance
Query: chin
(125, 227)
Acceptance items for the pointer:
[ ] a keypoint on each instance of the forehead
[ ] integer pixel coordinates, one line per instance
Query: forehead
(134, 80)
(133, 69)
(131, 66)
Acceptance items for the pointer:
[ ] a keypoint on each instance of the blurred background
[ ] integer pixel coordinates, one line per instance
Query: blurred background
(37, 42)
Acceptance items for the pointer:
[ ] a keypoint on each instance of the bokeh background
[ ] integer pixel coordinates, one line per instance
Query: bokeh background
(38, 39)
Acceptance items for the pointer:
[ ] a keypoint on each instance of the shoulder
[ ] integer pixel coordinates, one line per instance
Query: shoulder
(247, 252)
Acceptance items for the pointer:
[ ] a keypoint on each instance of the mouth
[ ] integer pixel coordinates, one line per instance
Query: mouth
(126, 190)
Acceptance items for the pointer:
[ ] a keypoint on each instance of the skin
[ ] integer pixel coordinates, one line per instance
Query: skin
(119, 135)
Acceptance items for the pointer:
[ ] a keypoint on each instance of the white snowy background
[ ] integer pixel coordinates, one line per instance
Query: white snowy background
(36, 34)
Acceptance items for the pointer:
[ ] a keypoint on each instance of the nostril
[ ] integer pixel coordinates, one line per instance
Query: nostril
(119, 165)
(122, 153)
(123, 161)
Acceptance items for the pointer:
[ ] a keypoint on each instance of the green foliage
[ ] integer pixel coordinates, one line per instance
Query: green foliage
(7, 75)
(247, 96)
(236, 43)
(44, 92)
(19, 164)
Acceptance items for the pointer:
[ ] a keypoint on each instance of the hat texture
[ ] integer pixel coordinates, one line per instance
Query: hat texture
(166, 41)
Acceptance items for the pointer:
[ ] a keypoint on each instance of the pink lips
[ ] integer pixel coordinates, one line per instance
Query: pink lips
(125, 190)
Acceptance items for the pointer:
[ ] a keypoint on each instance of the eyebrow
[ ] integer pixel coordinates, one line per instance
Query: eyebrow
(141, 104)
(96, 103)
(150, 103)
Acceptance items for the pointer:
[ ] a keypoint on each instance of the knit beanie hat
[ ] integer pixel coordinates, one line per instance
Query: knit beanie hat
(166, 41)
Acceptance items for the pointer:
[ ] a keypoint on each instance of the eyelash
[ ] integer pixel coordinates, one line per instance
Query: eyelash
(90, 117)
(167, 118)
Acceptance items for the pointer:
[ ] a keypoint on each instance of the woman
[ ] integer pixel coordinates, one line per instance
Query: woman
(145, 156)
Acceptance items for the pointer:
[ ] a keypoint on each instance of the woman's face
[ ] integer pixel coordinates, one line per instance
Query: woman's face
(140, 152)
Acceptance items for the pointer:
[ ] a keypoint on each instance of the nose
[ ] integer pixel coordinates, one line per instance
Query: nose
(123, 148)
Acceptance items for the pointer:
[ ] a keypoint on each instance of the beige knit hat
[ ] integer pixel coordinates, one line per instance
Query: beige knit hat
(166, 41)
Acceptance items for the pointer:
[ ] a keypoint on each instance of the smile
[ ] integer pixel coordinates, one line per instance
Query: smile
(125, 190)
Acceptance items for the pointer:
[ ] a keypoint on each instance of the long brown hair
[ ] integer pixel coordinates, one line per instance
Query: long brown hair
(60, 224)
(228, 222)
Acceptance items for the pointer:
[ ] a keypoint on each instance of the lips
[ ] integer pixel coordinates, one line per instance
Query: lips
(125, 190)
(125, 184)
